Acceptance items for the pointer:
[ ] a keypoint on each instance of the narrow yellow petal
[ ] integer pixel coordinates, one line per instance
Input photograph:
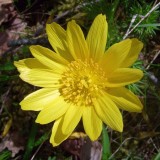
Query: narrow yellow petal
(72, 118)
(115, 55)
(37, 100)
(123, 76)
(92, 123)
(41, 78)
(29, 63)
(75, 135)
(57, 135)
(108, 112)
(49, 58)
(52, 111)
(132, 56)
(76, 41)
(125, 99)
(97, 37)
(57, 38)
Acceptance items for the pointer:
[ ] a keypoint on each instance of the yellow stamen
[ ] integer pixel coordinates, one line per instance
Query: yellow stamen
(81, 81)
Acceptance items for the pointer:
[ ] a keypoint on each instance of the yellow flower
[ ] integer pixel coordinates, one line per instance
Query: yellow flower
(80, 80)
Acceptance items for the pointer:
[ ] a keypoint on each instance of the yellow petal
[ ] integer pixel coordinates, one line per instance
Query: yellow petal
(76, 135)
(29, 63)
(132, 56)
(49, 58)
(57, 135)
(108, 112)
(91, 122)
(41, 78)
(97, 37)
(52, 111)
(115, 55)
(125, 99)
(123, 76)
(57, 38)
(76, 41)
(72, 118)
(37, 100)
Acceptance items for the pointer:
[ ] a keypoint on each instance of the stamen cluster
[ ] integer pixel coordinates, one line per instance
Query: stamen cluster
(81, 81)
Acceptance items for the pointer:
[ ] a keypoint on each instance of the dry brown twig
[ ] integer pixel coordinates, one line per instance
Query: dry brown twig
(154, 58)
(142, 18)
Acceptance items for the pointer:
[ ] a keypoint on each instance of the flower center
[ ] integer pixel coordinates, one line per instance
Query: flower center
(81, 82)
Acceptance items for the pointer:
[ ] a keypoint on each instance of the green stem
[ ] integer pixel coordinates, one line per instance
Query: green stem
(106, 144)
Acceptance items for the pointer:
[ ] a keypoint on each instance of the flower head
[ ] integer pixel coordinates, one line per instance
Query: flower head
(80, 80)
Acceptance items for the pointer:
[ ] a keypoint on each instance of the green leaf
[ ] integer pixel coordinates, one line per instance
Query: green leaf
(42, 139)
(31, 141)
(51, 158)
(149, 25)
(4, 78)
(5, 155)
(157, 156)
(7, 67)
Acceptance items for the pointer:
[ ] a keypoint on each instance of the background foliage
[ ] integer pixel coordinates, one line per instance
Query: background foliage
(23, 24)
